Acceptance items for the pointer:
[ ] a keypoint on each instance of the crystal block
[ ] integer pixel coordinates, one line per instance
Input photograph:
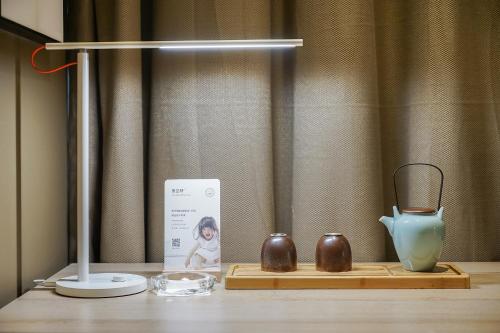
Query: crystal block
(182, 284)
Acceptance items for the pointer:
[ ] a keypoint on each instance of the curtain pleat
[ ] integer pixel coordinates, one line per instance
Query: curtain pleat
(304, 141)
(211, 118)
(120, 88)
(337, 183)
(437, 104)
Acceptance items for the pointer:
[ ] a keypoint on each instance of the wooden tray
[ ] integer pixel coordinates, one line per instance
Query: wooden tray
(362, 276)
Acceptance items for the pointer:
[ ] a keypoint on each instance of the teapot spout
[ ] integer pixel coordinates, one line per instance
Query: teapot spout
(388, 222)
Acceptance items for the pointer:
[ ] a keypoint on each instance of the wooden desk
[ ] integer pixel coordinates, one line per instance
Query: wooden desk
(477, 309)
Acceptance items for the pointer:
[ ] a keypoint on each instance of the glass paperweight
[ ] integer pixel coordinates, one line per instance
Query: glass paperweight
(182, 284)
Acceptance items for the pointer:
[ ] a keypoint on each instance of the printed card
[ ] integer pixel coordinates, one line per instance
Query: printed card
(192, 225)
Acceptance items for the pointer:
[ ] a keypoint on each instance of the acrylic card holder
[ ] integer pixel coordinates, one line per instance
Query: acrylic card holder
(192, 226)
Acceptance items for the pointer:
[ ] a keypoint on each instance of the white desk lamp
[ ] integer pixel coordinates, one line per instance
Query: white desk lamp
(86, 284)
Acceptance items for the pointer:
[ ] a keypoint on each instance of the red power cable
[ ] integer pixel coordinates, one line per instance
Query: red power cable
(48, 71)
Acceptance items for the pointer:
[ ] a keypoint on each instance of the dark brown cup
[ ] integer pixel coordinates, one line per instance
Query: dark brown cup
(278, 254)
(333, 253)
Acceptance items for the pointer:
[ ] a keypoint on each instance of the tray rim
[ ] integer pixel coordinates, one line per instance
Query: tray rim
(418, 277)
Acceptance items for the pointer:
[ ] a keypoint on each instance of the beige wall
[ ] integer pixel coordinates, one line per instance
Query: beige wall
(8, 216)
(33, 213)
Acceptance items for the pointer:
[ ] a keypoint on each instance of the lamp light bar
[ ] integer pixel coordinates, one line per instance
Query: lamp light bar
(228, 46)
(181, 44)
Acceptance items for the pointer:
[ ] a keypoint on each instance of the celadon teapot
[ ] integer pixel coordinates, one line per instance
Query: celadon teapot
(417, 233)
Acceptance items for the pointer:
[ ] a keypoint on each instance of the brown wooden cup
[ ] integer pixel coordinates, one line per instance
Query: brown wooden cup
(278, 254)
(333, 253)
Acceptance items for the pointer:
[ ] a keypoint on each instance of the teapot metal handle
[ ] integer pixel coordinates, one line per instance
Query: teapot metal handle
(428, 164)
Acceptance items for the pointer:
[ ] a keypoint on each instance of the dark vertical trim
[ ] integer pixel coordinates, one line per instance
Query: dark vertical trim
(66, 7)
(70, 26)
(146, 34)
(18, 172)
(283, 25)
(96, 200)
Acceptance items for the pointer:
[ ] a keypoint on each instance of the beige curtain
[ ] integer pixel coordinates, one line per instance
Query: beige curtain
(305, 141)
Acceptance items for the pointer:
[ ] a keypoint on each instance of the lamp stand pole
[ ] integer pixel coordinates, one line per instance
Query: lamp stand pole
(85, 284)
(83, 158)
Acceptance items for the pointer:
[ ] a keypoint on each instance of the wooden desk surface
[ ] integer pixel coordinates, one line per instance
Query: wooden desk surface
(477, 309)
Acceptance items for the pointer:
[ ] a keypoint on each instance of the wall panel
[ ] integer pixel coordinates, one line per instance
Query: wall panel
(43, 167)
(8, 216)
(33, 174)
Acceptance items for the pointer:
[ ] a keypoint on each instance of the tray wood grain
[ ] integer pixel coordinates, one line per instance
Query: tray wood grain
(362, 276)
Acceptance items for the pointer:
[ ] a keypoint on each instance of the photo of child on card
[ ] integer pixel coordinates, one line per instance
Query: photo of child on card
(206, 251)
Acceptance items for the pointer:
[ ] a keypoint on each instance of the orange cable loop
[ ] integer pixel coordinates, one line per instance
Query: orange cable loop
(48, 71)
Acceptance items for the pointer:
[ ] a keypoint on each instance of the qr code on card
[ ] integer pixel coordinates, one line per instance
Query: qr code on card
(176, 243)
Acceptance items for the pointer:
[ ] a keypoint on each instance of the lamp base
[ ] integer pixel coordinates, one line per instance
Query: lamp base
(102, 285)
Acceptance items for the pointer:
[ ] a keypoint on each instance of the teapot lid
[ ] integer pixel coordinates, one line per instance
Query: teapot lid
(419, 210)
